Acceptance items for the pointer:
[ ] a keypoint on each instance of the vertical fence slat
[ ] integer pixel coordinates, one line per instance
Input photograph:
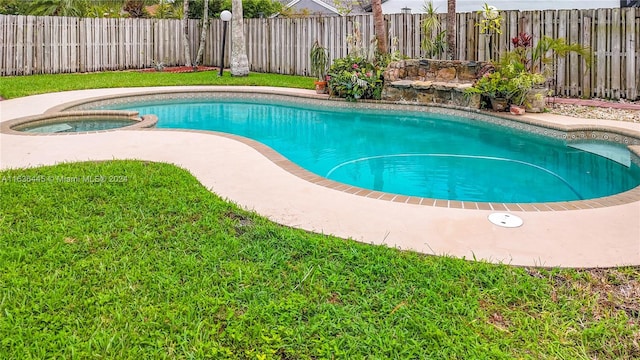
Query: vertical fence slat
(10, 41)
(472, 44)
(616, 42)
(3, 44)
(575, 63)
(29, 41)
(19, 49)
(38, 48)
(601, 52)
(586, 41)
(561, 69)
(637, 53)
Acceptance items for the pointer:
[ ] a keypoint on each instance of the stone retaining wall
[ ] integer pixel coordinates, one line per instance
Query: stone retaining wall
(432, 82)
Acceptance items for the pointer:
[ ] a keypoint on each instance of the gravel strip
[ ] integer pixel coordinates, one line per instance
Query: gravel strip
(592, 112)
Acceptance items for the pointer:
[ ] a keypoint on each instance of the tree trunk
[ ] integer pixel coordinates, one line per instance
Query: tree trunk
(185, 34)
(379, 26)
(451, 29)
(203, 34)
(239, 61)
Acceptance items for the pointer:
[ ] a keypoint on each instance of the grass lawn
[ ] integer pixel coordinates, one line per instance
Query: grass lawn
(18, 86)
(150, 264)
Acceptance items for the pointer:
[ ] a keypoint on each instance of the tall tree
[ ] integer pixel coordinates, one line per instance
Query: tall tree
(451, 29)
(185, 33)
(239, 61)
(379, 27)
(203, 34)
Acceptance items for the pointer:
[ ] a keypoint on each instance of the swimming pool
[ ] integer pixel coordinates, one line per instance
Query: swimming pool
(411, 153)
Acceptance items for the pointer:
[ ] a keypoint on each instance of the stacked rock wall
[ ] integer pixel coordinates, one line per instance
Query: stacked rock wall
(432, 81)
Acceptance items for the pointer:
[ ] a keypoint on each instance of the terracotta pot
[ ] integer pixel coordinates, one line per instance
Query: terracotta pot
(499, 104)
(517, 109)
(321, 87)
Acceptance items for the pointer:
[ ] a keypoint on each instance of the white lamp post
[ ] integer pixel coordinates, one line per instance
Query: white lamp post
(225, 16)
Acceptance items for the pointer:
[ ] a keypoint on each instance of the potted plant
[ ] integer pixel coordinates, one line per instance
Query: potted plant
(539, 60)
(319, 59)
(520, 86)
(495, 87)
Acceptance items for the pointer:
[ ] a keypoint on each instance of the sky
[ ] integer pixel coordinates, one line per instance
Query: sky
(394, 6)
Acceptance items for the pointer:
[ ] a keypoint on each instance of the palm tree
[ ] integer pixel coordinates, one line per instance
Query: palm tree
(451, 29)
(203, 34)
(185, 33)
(239, 61)
(379, 27)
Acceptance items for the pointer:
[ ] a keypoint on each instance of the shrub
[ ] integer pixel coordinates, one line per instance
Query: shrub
(355, 78)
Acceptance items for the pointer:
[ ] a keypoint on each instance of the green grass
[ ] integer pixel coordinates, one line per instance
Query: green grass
(18, 86)
(149, 264)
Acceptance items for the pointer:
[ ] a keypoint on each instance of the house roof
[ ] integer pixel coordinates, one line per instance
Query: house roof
(358, 6)
(416, 6)
(318, 2)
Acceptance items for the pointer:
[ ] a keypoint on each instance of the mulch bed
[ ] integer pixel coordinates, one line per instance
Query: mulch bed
(181, 69)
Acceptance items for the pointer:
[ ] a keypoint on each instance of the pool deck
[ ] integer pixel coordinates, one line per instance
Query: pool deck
(595, 237)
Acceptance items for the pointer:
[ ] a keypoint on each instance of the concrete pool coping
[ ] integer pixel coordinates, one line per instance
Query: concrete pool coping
(243, 172)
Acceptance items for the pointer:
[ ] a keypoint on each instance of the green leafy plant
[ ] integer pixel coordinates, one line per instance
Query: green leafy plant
(355, 78)
(319, 59)
(520, 85)
(492, 85)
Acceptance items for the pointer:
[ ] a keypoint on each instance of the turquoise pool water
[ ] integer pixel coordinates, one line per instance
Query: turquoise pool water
(74, 125)
(410, 153)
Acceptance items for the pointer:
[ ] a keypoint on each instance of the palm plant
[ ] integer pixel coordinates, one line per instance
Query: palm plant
(433, 42)
(77, 8)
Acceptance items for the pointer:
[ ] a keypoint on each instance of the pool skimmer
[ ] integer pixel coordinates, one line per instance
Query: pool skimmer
(505, 220)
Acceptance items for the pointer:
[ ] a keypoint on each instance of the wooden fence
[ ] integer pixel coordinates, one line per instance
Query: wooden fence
(36, 45)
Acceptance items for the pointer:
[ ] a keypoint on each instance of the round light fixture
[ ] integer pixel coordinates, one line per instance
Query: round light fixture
(225, 15)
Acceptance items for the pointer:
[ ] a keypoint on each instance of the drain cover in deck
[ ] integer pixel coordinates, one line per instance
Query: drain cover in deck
(505, 220)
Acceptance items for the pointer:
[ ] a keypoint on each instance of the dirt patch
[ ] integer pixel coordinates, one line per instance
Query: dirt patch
(616, 289)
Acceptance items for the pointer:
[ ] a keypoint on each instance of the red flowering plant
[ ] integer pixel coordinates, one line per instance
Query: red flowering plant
(540, 58)
(522, 44)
